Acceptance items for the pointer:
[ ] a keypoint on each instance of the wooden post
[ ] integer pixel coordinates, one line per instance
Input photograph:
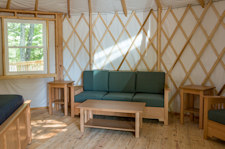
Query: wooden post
(159, 37)
(59, 47)
(48, 49)
(3, 47)
(90, 34)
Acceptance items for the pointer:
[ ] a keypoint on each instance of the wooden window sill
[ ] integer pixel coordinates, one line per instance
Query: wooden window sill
(27, 76)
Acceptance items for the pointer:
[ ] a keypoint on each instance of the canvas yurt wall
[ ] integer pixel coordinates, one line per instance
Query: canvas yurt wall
(191, 39)
(187, 43)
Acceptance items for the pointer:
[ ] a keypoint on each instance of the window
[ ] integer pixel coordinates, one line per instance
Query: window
(25, 47)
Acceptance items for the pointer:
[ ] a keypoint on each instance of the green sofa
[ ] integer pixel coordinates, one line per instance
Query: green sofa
(148, 87)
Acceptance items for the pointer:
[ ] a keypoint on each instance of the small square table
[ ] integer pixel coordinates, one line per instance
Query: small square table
(194, 90)
(59, 84)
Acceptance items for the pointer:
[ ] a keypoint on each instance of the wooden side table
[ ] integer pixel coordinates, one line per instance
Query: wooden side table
(194, 90)
(52, 86)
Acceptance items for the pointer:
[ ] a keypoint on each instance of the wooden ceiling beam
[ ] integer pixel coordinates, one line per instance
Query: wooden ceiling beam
(158, 3)
(68, 8)
(36, 5)
(202, 3)
(8, 4)
(124, 7)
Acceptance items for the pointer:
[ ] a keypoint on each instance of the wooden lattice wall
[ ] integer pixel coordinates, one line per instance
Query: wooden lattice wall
(192, 45)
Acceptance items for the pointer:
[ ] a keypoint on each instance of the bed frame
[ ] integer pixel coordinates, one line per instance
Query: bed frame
(211, 128)
(15, 132)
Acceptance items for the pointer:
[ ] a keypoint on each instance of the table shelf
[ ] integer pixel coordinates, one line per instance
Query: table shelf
(192, 110)
(111, 124)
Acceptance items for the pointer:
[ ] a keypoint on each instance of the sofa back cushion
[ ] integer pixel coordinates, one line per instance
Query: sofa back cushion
(122, 82)
(96, 80)
(150, 82)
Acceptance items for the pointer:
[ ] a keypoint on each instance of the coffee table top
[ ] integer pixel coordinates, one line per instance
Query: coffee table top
(113, 106)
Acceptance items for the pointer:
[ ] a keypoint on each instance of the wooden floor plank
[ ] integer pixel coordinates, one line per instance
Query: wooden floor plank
(63, 132)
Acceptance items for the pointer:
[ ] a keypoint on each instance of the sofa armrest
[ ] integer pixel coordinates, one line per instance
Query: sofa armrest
(214, 102)
(166, 88)
(166, 99)
(76, 89)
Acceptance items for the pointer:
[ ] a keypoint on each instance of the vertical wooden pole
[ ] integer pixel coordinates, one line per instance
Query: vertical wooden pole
(159, 38)
(90, 34)
(3, 47)
(59, 47)
(48, 59)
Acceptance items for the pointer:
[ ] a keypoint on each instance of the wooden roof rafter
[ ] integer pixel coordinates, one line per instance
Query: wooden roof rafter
(158, 3)
(124, 7)
(68, 8)
(202, 3)
(8, 4)
(36, 5)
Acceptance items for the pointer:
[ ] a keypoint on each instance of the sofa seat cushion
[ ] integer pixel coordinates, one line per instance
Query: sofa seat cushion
(119, 96)
(89, 95)
(122, 82)
(150, 82)
(151, 100)
(217, 116)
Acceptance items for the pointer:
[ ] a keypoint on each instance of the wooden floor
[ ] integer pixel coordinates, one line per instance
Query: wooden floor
(62, 132)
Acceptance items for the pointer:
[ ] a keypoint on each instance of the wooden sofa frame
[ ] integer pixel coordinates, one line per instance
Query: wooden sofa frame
(15, 132)
(212, 128)
(160, 113)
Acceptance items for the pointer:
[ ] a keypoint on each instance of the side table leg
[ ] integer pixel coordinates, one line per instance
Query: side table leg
(191, 105)
(137, 123)
(181, 106)
(201, 108)
(65, 101)
(82, 120)
(50, 99)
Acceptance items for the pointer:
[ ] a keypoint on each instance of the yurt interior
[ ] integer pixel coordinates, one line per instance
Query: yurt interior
(112, 74)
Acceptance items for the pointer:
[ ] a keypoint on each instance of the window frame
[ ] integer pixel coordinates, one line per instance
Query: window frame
(45, 49)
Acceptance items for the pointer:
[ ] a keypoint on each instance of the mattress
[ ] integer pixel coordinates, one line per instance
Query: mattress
(9, 104)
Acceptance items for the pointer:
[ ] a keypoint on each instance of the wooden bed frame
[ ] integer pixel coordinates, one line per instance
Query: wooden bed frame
(15, 132)
(211, 128)
(160, 113)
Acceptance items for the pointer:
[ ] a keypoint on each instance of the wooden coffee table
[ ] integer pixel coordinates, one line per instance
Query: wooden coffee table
(87, 108)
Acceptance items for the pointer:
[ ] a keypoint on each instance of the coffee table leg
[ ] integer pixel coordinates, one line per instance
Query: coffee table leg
(137, 123)
(141, 120)
(82, 120)
(90, 114)
(85, 116)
